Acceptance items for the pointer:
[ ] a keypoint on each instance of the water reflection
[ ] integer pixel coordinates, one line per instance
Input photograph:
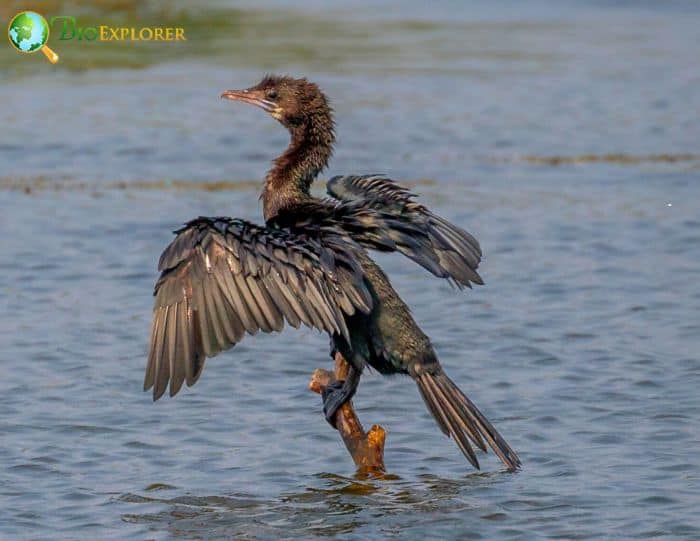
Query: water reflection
(337, 504)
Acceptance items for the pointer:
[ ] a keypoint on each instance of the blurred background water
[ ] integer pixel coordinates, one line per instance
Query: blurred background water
(564, 135)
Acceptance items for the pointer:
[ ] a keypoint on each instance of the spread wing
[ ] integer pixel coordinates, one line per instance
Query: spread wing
(380, 204)
(223, 277)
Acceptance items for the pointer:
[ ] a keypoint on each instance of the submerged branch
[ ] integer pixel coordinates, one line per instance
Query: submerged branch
(366, 448)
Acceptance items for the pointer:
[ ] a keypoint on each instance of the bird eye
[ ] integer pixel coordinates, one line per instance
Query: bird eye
(272, 94)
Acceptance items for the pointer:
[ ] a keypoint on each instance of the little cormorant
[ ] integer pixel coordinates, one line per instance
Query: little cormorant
(222, 277)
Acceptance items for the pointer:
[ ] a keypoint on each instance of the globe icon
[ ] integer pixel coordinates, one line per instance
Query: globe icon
(29, 32)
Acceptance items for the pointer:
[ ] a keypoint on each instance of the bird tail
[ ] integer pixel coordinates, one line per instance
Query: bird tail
(461, 420)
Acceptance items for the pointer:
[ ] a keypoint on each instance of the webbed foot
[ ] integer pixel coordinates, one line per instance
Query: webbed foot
(338, 393)
(333, 398)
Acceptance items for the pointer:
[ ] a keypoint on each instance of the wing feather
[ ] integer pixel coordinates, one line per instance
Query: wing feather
(195, 367)
(162, 366)
(222, 278)
(382, 215)
(240, 306)
(177, 364)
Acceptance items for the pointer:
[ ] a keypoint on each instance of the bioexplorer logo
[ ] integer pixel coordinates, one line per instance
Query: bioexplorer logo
(29, 32)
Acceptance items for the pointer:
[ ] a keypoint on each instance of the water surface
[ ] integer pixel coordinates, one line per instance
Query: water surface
(563, 136)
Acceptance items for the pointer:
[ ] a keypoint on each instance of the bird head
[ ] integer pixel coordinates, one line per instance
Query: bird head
(295, 103)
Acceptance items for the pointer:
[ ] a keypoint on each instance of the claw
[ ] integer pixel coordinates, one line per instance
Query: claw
(333, 397)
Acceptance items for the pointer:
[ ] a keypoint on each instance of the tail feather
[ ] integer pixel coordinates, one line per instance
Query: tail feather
(451, 419)
(459, 414)
(460, 419)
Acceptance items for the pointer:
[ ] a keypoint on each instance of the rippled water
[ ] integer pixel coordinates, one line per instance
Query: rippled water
(565, 138)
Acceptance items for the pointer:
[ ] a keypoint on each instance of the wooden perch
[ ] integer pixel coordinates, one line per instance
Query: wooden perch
(366, 448)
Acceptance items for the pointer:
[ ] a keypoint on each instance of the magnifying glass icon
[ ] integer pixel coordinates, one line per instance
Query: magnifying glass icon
(29, 33)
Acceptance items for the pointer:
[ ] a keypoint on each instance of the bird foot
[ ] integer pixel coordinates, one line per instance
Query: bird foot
(334, 396)
(366, 448)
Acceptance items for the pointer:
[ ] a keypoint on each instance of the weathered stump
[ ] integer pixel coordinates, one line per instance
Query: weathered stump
(366, 448)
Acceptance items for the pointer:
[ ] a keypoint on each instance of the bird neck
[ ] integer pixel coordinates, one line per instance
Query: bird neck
(293, 172)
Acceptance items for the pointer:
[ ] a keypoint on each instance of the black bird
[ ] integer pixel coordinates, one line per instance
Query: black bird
(222, 277)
